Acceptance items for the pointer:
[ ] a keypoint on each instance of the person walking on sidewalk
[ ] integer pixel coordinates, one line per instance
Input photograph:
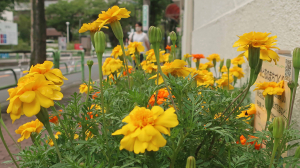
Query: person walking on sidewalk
(140, 36)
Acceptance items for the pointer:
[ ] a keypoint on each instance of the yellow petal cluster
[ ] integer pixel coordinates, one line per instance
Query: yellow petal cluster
(83, 88)
(117, 51)
(144, 129)
(92, 27)
(224, 69)
(206, 65)
(111, 65)
(203, 77)
(247, 113)
(237, 72)
(163, 57)
(176, 68)
(135, 47)
(112, 14)
(237, 61)
(214, 57)
(53, 75)
(149, 67)
(26, 129)
(32, 92)
(187, 56)
(223, 82)
(271, 88)
(258, 40)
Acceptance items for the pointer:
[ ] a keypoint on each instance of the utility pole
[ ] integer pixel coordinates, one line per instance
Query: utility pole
(68, 23)
(146, 7)
(38, 32)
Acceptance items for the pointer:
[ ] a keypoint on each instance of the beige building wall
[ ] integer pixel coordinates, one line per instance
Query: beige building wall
(216, 24)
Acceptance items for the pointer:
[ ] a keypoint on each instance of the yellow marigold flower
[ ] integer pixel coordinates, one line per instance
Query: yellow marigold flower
(214, 57)
(88, 135)
(203, 77)
(53, 75)
(187, 56)
(237, 72)
(176, 68)
(149, 67)
(258, 40)
(111, 65)
(237, 61)
(270, 88)
(112, 14)
(117, 51)
(136, 46)
(224, 69)
(32, 92)
(163, 57)
(51, 143)
(246, 113)
(92, 27)
(223, 82)
(26, 129)
(144, 128)
(206, 65)
(83, 88)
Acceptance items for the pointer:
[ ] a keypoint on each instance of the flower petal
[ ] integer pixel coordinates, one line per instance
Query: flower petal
(27, 96)
(31, 109)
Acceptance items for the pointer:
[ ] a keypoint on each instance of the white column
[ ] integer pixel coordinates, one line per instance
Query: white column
(187, 27)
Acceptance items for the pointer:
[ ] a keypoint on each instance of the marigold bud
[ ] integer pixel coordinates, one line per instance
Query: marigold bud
(269, 100)
(90, 63)
(296, 58)
(99, 38)
(221, 64)
(173, 36)
(191, 162)
(228, 63)
(117, 29)
(297, 153)
(155, 35)
(253, 56)
(278, 127)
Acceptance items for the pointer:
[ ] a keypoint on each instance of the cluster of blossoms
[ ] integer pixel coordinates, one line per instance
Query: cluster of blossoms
(35, 90)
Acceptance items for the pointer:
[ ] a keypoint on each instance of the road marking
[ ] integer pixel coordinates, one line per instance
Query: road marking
(2, 76)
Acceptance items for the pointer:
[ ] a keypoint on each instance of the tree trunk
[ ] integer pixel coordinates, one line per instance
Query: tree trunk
(38, 32)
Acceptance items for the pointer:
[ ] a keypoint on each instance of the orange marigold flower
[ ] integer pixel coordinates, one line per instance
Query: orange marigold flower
(161, 97)
(198, 56)
(95, 95)
(130, 69)
(54, 119)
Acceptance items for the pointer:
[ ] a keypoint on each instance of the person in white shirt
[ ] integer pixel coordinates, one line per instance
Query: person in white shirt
(140, 36)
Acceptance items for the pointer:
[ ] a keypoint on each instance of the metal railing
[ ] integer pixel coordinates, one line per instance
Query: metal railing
(55, 55)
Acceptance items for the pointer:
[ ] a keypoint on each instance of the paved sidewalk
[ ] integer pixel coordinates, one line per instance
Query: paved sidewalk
(4, 156)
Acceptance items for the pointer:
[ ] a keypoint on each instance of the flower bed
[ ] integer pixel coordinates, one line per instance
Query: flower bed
(161, 114)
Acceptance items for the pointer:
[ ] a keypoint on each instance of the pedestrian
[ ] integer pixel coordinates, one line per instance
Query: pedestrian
(140, 36)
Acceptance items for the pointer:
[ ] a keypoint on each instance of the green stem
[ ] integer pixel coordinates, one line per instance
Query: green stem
(276, 143)
(137, 60)
(62, 124)
(156, 51)
(228, 79)
(89, 84)
(4, 143)
(248, 87)
(99, 55)
(234, 101)
(4, 126)
(125, 61)
(197, 64)
(174, 156)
